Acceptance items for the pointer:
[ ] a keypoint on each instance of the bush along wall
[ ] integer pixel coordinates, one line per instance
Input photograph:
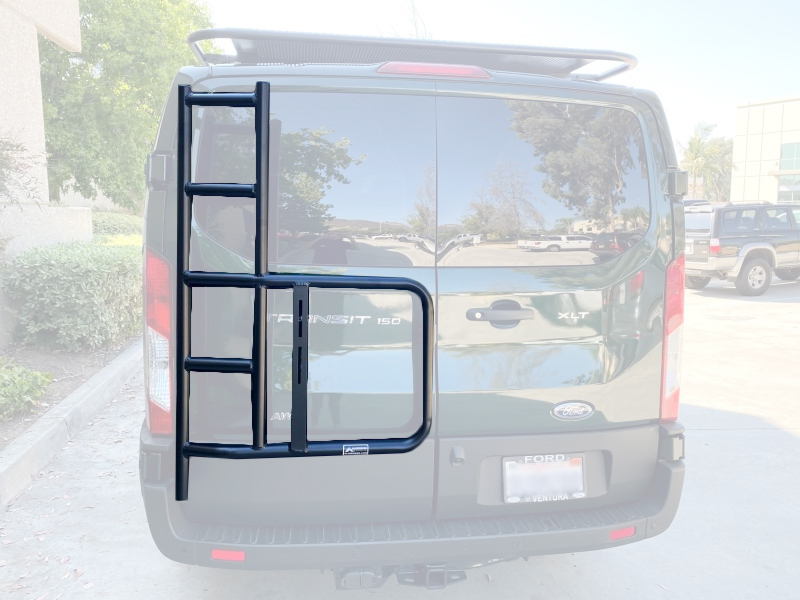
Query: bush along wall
(110, 223)
(75, 296)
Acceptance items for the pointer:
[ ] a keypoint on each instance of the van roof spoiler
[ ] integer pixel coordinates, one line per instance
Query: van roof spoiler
(260, 47)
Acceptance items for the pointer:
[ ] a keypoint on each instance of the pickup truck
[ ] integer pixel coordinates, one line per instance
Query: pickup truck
(556, 243)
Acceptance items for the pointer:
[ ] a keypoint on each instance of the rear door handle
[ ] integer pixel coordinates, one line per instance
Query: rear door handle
(497, 314)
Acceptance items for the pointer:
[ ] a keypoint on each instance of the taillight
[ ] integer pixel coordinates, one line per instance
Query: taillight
(158, 383)
(410, 68)
(614, 246)
(636, 284)
(714, 246)
(673, 338)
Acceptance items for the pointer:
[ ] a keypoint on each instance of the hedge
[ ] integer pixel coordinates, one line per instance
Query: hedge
(21, 389)
(75, 296)
(110, 223)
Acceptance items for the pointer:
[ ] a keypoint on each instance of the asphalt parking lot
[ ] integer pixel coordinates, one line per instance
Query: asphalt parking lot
(79, 531)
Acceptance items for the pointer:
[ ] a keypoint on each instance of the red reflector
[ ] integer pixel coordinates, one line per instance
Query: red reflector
(229, 555)
(621, 534)
(160, 419)
(408, 68)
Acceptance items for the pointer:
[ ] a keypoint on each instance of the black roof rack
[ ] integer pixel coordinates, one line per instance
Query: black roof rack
(253, 46)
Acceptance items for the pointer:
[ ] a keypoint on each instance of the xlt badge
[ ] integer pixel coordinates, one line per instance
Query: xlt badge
(573, 315)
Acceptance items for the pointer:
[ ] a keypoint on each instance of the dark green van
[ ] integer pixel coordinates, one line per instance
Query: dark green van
(351, 362)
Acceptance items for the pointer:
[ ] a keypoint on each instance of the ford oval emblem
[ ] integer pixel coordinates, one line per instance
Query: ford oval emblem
(572, 411)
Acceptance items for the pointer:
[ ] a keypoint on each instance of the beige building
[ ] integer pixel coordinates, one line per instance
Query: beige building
(766, 152)
(22, 120)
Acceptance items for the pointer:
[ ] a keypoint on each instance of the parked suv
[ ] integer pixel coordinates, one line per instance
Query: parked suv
(375, 407)
(745, 243)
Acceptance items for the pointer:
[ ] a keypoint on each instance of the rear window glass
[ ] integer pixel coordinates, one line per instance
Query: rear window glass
(698, 222)
(507, 167)
(740, 220)
(384, 180)
(354, 173)
(775, 219)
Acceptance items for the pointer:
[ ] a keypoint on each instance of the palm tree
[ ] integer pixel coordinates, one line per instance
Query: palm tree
(564, 225)
(709, 159)
(635, 216)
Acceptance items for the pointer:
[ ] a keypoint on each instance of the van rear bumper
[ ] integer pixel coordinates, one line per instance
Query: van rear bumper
(454, 541)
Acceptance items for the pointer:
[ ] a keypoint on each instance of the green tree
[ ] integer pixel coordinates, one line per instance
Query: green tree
(310, 163)
(585, 153)
(102, 106)
(504, 208)
(711, 160)
(634, 217)
(564, 225)
(423, 220)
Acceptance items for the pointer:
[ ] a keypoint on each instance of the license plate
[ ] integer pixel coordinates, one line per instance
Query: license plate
(543, 478)
(689, 248)
(693, 273)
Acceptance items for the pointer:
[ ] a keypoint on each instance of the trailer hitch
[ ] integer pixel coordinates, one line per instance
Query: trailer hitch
(433, 577)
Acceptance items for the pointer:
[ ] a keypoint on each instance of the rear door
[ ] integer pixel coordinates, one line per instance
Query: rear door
(777, 228)
(347, 167)
(521, 332)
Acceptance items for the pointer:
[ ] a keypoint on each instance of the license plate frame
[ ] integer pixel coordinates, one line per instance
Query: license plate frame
(539, 470)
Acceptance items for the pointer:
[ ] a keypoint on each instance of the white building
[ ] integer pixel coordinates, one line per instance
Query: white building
(766, 152)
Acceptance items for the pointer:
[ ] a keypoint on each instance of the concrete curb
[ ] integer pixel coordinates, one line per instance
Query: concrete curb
(23, 458)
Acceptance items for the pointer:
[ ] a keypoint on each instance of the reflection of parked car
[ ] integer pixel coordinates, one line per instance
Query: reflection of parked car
(462, 239)
(409, 237)
(743, 243)
(556, 243)
(607, 245)
(382, 236)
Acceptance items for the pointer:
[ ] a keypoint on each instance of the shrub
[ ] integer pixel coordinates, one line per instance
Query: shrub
(20, 389)
(132, 239)
(77, 295)
(111, 223)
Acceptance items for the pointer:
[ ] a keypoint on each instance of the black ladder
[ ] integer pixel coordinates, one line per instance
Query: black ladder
(260, 281)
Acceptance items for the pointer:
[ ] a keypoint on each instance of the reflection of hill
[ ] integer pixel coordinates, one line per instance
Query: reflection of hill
(357, 225)
(366, 255)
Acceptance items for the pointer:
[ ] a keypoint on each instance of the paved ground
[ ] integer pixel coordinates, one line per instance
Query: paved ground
(79, 531)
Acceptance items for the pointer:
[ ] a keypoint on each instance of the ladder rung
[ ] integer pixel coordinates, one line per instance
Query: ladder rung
(229, 190)
(315, 448)
(218, 365)
(221, 99)
(207, 279)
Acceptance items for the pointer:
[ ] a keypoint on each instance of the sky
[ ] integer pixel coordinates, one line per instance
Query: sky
(703, 58)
